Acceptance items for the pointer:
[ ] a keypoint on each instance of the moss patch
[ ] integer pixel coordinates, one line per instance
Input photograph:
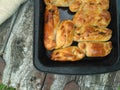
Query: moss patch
(4, 87)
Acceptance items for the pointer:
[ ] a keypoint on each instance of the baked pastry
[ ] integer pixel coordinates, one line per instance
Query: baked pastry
(72, 53)
(91, 33)
(96, 18)
(76, 5)
(95, 49)
(64, 35)
(59, 3)
(51, 21)
(91, 5)
(99, 4)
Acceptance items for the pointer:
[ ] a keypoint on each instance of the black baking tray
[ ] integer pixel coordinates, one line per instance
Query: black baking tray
(41, 57)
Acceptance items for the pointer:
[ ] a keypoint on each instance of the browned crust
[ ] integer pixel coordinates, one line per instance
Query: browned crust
(96, 18)
(76, 5)
(90, 5)
(47, 2)
(51, 22)
(96, 49)
(91, 33)
(64, 35)
(71, 53)
(97, 4)
(58, 3)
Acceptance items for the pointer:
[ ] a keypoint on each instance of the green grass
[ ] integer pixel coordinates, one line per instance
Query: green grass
(119, 88)
(4, 87)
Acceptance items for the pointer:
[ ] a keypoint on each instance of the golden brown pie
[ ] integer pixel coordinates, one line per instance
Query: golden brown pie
(51, 22)
(91, 33)
(59, 3)
(72, 53)
(89, 5)
(95, 49)
(97, 4)
(96, 18)
(64, 35)
(76, 5)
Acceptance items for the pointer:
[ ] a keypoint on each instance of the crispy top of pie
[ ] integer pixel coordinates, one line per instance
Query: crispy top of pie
(71, 53)
(96, 49)
(96, 18)
(91, 33)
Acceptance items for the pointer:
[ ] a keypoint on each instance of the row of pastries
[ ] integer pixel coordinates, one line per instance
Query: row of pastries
(88, 28)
